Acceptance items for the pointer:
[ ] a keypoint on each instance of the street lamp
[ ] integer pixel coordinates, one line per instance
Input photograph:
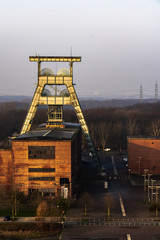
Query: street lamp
(157, 189)
(152, 183)
(149, 175)
(157, 199)
(145, 180)
(144, 175)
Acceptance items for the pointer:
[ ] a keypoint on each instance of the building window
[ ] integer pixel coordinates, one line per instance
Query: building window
(41, 169)
(45, 194)
(41, 152)
(64, 181)
(41, 178)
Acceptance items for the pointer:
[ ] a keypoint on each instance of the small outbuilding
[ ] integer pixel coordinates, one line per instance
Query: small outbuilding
(144, 153)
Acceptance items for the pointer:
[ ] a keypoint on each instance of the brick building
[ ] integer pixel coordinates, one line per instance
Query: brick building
(44, 159)
(144, 153)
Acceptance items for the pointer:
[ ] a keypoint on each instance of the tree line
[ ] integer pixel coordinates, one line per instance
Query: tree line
(109, 127)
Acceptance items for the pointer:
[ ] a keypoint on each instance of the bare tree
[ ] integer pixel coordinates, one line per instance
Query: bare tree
(132, 127)
(118, 132)
(102, 133)
(63, 205)
(155, 128)
(108, 203)
(86, 200)
(42, 209)
(93, 132)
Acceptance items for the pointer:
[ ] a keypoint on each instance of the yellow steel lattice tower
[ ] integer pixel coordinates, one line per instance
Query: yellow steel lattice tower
(55, 103)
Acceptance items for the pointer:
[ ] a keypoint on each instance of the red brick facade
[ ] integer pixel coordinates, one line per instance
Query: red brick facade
(6, 157)
(18, 169)
(144, 153)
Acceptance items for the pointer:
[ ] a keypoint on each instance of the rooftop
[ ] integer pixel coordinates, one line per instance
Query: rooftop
(43, 133)
(143, 137)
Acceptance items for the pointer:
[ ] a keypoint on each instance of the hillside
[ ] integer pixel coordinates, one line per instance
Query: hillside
(22, 102)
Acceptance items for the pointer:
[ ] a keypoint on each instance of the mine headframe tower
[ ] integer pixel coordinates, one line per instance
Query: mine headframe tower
(55, 103)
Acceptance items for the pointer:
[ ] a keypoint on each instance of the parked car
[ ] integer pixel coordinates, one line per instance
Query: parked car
(125, 158)
(7, 218)
(90, 154)
(107, 149)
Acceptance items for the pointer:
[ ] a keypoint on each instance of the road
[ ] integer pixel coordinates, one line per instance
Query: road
(111, 233)
(131, 218)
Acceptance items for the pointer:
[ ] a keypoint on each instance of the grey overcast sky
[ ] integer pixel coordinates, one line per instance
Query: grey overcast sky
(118, 40)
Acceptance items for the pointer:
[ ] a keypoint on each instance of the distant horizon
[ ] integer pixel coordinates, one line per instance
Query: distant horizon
(103, 98)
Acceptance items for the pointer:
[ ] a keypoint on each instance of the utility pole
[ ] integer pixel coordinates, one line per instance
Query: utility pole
(149, 175)
(157, 188)
(145, 180)
(145, 174)
(152, 183)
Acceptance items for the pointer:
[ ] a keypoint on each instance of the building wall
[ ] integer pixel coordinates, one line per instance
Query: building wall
(20, 169)
(5, 169)
(76, 157)
(144, 153)
(61, 163)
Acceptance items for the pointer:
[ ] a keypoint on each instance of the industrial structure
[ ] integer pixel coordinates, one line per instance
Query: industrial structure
(144, 154)
(47, 159)
(55, 103)
(156, 91)
(141, 93)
